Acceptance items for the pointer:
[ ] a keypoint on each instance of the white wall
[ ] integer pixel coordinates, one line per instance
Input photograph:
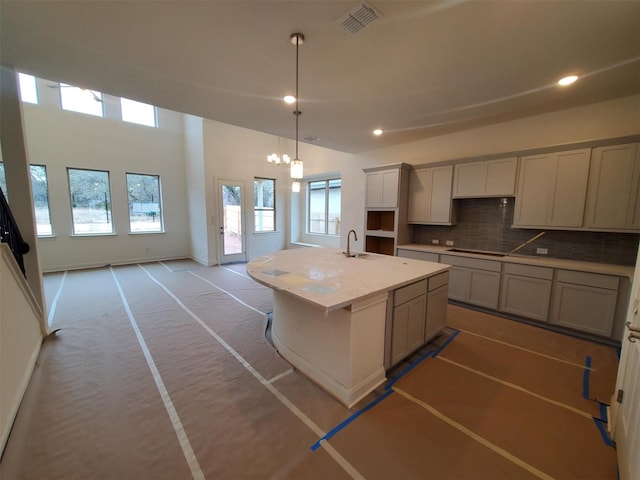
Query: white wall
(615, 118)
(196, 191)
(61, 139)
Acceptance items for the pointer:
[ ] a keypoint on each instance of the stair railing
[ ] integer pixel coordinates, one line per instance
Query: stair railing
(10, 234)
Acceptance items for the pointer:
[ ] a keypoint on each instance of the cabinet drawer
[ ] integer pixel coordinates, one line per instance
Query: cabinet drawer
(588, 279)
(438, 281)
(404, 294)
(469, 262)
(528, 271)
(416, 255)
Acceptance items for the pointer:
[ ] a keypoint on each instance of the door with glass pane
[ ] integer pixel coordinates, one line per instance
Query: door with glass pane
(232, 239)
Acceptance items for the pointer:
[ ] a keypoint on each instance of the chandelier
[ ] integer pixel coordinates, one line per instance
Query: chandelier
(276, 159)
(297, 39)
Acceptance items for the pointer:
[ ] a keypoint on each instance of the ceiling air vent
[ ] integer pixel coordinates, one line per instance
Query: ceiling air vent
(358, 17)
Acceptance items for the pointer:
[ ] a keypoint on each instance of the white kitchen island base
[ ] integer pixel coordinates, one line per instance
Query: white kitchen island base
(334, 316)
(342, 350)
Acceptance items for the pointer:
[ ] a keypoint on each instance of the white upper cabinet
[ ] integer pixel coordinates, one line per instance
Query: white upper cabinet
(552, 189)
(430, 195)
(382, 189)
(491, 178)
(613, 197)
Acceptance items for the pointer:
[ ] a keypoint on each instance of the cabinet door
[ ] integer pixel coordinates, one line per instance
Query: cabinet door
(419, 195)
(569, 194)
(430, 195)
(441, 195)
(484, 288)
(491, 178)
(585, 308)
(459, 281)
(382, 189)
(612, 198)
(469, 179)
(436, 312)
(408, 328)
(552, 189)
(525, 296)
(501, 177)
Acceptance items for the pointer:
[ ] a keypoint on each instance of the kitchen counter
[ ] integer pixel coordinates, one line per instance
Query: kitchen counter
(330, 312)
(327, 279)
(590, 267)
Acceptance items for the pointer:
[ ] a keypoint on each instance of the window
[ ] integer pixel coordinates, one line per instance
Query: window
(323, 212)
(264, 204)
(40, 192)
(81, 100)
(28, 90)
(145, 210)
(138, 112)
(90, 201)
(3, 181)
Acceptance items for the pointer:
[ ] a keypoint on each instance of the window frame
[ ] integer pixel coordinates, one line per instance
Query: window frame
(65, 88)
(265, 209)
(327, 189)
(46, 177)
(160, 207)
(122, 114)
(109, 201)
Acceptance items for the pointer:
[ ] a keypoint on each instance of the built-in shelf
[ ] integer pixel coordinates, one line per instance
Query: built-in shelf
(384, 245)
(381, 220)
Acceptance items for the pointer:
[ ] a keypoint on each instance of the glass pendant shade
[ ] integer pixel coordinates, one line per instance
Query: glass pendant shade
(296, 169)
(295, 186)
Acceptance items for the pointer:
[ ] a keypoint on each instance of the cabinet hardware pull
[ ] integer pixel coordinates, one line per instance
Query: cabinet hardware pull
(633, 337)
(632, 328)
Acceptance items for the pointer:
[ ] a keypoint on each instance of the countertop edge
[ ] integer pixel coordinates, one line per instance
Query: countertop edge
(561, 263)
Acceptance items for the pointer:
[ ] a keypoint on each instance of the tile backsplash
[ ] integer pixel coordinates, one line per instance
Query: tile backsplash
(485, 224)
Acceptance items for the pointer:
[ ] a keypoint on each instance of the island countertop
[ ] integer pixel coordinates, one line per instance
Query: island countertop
(326, 278)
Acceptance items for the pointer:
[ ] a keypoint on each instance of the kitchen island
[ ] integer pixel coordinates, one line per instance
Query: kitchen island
(333, 316)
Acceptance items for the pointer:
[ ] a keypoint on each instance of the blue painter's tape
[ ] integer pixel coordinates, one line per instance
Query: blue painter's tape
(445, 344)
(350, 419)
(407, 369)
(603, 413)
(603, 432)
(585, 378)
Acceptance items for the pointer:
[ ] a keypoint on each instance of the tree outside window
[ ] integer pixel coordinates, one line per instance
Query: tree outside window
(40, 192)
(145, 208)
(90, 201)
(264, 201)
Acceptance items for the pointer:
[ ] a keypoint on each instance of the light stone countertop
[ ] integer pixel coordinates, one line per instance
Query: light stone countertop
(326, 278)
(590, 267)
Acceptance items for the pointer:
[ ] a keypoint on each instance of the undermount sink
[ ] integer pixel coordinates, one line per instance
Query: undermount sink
(356, 254)
(477, 252)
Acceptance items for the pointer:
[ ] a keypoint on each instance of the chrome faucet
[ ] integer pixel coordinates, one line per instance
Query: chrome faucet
(355, 237)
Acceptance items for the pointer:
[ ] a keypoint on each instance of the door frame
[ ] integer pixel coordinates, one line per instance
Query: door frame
(236, 257)
(623, 413)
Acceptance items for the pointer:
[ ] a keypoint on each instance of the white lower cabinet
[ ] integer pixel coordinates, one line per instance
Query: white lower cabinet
(409, 316)
(584, 301)
(437, 301)
(473, 280)
(526, 291)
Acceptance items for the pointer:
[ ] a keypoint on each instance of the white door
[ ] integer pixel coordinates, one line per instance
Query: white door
(232, 238)
(625, 419)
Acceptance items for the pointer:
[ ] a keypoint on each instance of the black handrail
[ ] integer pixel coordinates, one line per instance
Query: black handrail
(10, 234)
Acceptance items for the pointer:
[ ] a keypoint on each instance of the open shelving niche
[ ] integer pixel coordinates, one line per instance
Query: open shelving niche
(386, 210)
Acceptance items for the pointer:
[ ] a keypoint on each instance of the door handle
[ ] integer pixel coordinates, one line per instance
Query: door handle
(633, 337)
(632, 328)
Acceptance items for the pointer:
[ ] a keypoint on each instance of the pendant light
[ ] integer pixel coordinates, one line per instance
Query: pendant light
(275, 158)
(297, 39)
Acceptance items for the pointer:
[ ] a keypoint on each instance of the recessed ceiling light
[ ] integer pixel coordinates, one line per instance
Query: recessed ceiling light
(378, 131)
(289, 99)
(567, 80)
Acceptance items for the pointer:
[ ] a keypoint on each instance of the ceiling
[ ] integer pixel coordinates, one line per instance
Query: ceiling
(422, 69)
